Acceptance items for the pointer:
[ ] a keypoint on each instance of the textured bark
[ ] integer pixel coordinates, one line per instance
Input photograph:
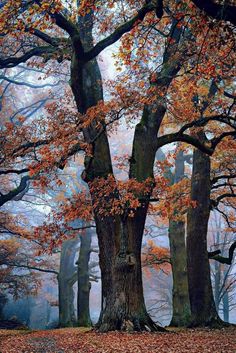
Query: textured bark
(66, 279)
(123, 306)
(180, 294)
(83, 315)
(200, 290)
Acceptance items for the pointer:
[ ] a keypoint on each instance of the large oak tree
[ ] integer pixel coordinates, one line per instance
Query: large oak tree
(54, 32)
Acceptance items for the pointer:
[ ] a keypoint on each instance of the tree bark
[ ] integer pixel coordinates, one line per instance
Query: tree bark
(180, 294)
(225, 300)
(66, 279)
(123, 305)
(202, 303)
(84, 286)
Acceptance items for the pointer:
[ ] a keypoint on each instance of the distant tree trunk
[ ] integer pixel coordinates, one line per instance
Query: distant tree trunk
(180, 293)
(66, 279)
(217, 278)
(84, 285)
(203, 307)
(3, 301)
(226, 306)
(48, 314)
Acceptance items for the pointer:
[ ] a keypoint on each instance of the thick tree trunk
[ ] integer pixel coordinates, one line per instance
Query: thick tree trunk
(123, 306)
(200, 290)
(119, 237)
(66, 279)
(83, 314)
(180, 294)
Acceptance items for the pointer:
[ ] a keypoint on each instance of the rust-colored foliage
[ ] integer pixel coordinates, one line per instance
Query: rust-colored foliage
(75, 340)
(155, 257)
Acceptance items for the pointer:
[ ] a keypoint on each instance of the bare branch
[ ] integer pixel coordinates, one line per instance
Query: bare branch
(14, 61)
(222, 259)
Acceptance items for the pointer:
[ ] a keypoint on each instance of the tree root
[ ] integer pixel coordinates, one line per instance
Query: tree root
(214, 323)
(132, 324)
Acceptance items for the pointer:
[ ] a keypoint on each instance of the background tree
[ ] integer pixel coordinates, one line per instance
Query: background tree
(181, 304)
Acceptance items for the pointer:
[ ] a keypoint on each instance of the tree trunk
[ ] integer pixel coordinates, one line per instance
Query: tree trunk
(217, 287)
(180, 293)
(83, 314)
(203, 308)
(123, 306)
(226, 306)
(3, 301)
(66, 279)
(119, 237)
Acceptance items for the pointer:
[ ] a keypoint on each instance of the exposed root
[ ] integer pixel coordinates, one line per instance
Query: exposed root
(214, 323)
(130, 325)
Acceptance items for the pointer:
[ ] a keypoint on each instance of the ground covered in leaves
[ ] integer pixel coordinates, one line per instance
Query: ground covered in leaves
(82, 341)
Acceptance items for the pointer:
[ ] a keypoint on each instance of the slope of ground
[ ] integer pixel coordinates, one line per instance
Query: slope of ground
(82, 341)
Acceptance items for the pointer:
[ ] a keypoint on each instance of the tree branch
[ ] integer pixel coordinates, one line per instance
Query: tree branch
(224, 176)
(14, 61)
(175, 137)
(222, 259)
(31, 268)
(215, 203)
(124, 28)
(28, 84)
(224, 12)
(14, 171)
(14, 193)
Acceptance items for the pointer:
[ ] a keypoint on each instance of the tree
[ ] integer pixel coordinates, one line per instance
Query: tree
(200, 291)
(67, 277)
(201, 296)
(119, 209)
(222, 273)
(70, 272)
(13, 281)
(181, 304)
(84, 284)
(15, 110)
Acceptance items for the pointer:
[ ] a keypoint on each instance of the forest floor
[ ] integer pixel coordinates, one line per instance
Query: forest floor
(74, 340)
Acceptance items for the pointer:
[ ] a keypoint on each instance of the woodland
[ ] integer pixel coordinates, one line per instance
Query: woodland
(118, 176)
